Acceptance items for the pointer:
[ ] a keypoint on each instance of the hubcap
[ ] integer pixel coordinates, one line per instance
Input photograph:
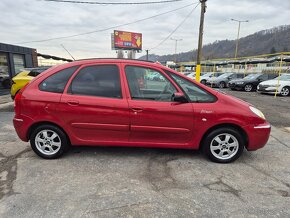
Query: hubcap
(248, 88)
(285, 92)
(47, 142)
(224, 146)
(222, 85)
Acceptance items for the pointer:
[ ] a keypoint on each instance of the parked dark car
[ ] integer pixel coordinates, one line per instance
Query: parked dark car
(223, 80)
(250, 82)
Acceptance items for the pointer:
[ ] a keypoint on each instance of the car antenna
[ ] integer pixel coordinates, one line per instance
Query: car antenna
(67, 51)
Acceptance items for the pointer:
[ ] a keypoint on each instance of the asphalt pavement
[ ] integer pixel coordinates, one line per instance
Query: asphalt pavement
(138, 182)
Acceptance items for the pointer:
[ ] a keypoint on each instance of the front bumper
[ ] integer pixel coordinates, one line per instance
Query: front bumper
(271, 89)
(258, 135)
(236, 86)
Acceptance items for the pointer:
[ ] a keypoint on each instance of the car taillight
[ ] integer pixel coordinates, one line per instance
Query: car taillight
(17, 101)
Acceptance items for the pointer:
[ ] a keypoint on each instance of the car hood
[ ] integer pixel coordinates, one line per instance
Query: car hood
(233, 100)
(216, 79)
(237, 80)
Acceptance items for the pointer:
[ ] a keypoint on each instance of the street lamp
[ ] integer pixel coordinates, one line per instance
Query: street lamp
(176, 40)
(237, 42)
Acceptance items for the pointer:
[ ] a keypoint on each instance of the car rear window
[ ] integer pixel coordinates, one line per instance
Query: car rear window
(57, 82)
(97, 80)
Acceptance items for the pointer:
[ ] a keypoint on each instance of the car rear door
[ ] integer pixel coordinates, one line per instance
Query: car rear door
(154, 118)
(93, 106)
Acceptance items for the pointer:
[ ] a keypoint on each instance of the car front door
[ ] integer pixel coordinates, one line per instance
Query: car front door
(93, 106)
(154, 118)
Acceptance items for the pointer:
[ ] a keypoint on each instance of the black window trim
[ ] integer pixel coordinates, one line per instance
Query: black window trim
(39, 85)
(69, 91)
(169, 73)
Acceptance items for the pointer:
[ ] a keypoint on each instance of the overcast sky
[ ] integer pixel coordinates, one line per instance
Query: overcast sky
(29, 20)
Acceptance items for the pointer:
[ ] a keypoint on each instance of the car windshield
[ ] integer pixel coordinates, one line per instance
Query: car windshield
(284, 77)
(224, 75)
(252, 76)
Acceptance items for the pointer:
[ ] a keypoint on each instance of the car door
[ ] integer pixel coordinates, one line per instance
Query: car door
(93, 106)
(154, 118)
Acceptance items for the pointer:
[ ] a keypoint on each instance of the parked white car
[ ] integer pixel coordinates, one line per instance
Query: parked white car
(270, 86)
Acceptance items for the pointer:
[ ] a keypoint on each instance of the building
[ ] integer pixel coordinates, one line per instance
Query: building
(14, 58)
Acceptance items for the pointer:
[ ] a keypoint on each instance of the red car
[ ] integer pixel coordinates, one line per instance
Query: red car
(101, 102)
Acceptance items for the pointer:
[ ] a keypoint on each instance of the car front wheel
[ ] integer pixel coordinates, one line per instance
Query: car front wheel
(248, 87)
(48, 141)
(285, 91)
(222, 85)
(223, 145)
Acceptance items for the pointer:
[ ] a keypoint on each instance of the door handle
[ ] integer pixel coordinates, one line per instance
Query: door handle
(137, 109)
(73, 103)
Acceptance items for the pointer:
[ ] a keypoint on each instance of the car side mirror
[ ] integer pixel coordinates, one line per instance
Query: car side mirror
(179, 97)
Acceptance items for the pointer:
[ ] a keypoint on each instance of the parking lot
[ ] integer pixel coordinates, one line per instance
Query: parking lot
(138, 182)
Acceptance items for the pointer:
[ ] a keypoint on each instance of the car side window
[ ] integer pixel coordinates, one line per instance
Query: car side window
(97, 80)
(240, 76)
(57, 82)
(263, 77)
(193, 91)
(148, 84)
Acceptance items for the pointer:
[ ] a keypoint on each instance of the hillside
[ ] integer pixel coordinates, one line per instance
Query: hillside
(263, 42)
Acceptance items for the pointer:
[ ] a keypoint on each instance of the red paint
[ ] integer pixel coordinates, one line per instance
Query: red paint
(89, 120)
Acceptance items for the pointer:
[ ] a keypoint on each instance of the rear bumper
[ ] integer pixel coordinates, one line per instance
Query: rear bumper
(258, 135)
(22, 125)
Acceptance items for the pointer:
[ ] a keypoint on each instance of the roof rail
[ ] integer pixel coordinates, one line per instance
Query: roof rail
(122, 59)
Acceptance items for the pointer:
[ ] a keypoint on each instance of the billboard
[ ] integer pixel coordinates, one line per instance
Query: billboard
(127, 40)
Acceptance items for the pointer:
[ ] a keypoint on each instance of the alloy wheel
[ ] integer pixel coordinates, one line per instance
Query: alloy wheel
(48, 142)
(285, 91)
(224, 146)
(248, 87)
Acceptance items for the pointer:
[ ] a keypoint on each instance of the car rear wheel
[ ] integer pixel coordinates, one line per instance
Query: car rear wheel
(203, 81)
(222, 85)
(248, 87)
(223, 145)
(285, 91)
(48, 141)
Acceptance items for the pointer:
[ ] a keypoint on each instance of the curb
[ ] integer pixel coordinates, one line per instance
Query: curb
(7, 107)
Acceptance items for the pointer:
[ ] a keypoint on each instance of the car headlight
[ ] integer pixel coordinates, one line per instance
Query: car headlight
(257, 112)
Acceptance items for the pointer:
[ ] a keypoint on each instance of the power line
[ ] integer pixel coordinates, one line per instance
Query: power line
(179, 25)
(105, 29)
(113, 3)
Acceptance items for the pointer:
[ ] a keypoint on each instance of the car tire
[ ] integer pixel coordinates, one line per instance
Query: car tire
(223, 145)
(203, 82)
(285, 91)
(248, 87)
(48, 141)
(222, 85)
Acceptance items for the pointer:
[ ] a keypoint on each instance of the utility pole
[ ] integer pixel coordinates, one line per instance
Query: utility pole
(147, 54)
(237, 42)
(175, 53)
(199, 49)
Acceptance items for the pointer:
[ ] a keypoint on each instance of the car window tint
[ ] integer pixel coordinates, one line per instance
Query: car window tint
(57, 82)
(149, 84)
(97, 80)
(193, 91)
